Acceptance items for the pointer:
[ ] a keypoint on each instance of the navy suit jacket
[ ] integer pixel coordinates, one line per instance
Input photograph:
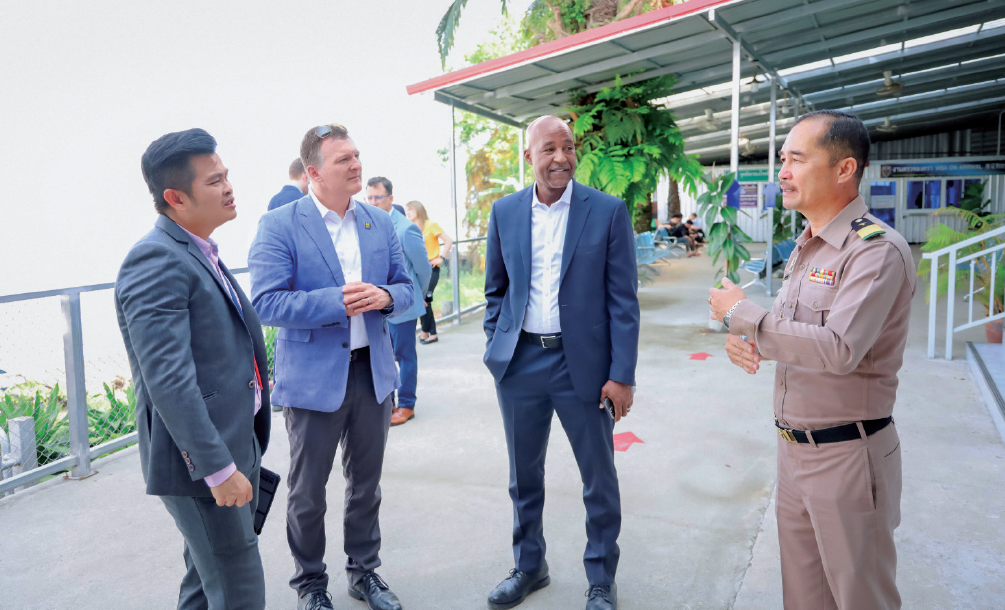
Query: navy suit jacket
(296, 284)
(288, 194)
(598, 290)
(192, 355)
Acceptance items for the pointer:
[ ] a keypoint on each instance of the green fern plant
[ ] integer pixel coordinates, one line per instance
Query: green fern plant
(625, 144)
(978, 222)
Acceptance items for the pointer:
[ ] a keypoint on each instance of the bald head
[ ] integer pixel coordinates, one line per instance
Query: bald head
(551, 150)
(542, 125)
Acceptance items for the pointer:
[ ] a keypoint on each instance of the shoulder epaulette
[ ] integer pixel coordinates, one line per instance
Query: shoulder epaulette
(866, 229)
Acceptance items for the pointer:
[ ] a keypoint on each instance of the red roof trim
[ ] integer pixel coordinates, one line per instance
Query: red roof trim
(564, 44)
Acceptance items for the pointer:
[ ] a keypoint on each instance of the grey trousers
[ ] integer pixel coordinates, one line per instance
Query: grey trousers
(360, 425)
(223, 566)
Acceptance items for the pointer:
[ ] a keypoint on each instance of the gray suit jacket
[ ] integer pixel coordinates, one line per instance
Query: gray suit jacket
(190, 352)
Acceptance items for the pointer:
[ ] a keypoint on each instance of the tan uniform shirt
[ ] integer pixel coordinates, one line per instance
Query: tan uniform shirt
(839, 325)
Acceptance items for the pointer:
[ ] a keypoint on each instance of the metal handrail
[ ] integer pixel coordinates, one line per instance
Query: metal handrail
(457, 312)
(81, 454)
(951, 268)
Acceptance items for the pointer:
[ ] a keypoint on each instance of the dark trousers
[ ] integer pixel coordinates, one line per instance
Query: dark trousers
(403, 340)
(428, 319)
(360, 425)
(223, 566)
(536, 385)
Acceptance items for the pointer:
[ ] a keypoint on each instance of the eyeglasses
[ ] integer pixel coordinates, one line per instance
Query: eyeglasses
(326, 130)
(377, 198)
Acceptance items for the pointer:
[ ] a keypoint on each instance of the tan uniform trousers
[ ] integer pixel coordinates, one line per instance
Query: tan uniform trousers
(837, 507)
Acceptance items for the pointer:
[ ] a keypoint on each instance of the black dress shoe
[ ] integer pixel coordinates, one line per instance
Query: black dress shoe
(512, 591)
(602, 598)
(375, 592)
(318, 599)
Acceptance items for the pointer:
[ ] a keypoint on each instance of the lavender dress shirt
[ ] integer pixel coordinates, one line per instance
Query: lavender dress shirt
(211, 251)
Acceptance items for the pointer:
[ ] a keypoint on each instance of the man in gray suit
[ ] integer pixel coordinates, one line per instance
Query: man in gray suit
(402, 327)
(197, 357)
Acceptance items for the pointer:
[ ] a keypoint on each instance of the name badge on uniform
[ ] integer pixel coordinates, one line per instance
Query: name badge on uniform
(366, 225)
(822, 276)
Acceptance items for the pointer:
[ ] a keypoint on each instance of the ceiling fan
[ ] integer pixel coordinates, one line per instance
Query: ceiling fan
(708, 123)
(889, 86)
(886, 127)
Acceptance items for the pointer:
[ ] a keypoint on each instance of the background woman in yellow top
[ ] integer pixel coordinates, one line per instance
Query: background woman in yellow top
(432, 234)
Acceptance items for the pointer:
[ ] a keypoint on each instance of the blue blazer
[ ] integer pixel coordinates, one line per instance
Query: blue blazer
(192, 355)
(288, 194)
(296, 284)
(597, 296)
(416, 262)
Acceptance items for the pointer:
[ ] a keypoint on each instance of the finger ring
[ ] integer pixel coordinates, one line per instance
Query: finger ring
(709, 300)
(367, 300)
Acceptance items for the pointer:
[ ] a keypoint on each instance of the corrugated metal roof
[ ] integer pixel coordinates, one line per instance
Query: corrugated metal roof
(948, 56)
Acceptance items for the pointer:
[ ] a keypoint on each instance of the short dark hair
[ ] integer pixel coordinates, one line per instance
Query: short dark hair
(846, 136)
(296, 169)
(676, 216)
(166, 164)
(384, 182)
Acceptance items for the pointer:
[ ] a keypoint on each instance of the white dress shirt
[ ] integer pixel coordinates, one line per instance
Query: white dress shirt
(547, 242)
(345, 238)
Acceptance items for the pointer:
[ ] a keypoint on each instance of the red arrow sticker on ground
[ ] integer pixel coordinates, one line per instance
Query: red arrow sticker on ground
(625, 440)
(700, 356)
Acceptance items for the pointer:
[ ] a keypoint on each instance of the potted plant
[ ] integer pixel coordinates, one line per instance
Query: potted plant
(978, 221)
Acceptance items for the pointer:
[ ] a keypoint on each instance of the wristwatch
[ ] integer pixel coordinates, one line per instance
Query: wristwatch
(725, 318)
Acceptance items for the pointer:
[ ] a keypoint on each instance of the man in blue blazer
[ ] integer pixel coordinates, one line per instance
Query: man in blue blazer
(378, 194)
(197, 357)
(294, 189)
(329, 271)
(562, 323)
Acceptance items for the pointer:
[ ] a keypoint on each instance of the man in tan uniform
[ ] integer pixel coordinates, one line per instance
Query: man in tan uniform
(837, 331)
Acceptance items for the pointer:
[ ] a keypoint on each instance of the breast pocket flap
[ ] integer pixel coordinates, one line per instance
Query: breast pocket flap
(302, 335)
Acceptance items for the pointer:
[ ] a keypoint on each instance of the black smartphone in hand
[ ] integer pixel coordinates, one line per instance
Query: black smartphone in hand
(609, 407)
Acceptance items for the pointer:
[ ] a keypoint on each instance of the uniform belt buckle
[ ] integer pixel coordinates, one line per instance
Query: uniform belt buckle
(787, 435)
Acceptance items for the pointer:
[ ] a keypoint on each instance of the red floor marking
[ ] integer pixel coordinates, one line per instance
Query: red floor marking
(625, 440)
(700, 356)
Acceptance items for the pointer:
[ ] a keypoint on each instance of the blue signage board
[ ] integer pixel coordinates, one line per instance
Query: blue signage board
(951, 168)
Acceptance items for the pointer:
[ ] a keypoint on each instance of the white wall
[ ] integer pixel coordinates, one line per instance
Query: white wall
(87, 86)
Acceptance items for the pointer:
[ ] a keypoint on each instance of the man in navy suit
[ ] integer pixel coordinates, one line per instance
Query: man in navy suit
(198, 359)
(562, 323)
(329, 272)
(294, 189)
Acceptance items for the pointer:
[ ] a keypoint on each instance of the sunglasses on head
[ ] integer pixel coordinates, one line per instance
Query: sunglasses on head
(326, 130)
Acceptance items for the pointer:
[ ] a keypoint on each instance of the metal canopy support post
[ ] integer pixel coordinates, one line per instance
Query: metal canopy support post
(771, 179)
(454, 257)
(716, 20)
(523, 170)
(76, 392)
(734, 120)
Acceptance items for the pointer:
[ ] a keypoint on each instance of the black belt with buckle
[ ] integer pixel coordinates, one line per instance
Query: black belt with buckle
(360, 352)
(552, 341)
(836, 434)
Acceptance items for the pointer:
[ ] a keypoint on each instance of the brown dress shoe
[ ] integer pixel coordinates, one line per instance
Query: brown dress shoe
(401, 415)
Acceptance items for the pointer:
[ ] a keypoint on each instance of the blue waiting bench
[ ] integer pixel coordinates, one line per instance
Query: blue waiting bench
(780, 254)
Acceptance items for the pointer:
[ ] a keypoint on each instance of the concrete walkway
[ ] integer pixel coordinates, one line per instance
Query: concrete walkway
(699, 529)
